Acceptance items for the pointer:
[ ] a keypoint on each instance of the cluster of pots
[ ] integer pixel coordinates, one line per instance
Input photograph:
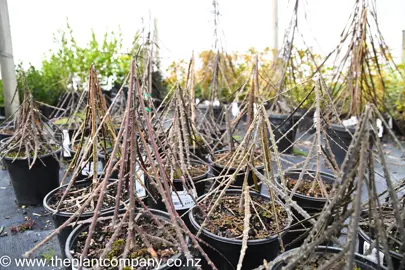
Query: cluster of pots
(39, 184)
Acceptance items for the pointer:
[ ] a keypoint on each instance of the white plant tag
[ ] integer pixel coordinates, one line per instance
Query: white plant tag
(183, 200)
(350, 122)
(373, 255)
(235, 109)
(88, 169)
(380, 128)
(140, 183)
(66, 143)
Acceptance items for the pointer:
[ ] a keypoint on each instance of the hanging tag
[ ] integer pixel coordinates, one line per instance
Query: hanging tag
(140, 182)
(380, 128)
(66, 143)
(235, 109)
(183, 200)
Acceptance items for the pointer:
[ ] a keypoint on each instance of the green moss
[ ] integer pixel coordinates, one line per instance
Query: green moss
(21, 154)
(77, 118)
(117, 248)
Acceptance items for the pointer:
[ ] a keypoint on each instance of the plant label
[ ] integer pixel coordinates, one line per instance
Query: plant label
(66, 143)
(380, 128)
(235, 109)
(140, 183)
(88, 169)
(374, 252)
(183, 200)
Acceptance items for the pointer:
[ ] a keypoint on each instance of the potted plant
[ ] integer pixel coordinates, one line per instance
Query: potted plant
(368, 234)
(153, 224)
(186, 169)
(227, 226)
(64, 205)
(228, 162)
(32, 154)
(67, 202)
(138, 233)
(311, 191)
(358, 78)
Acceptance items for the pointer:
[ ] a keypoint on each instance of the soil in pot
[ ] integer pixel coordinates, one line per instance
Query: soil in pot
(310, 195)
(339, 141)
(198, 147)
(162, 243)
(321, 257)
(77, 194)
(220, 166)
(367, 234)
(183, 198)
(32, 184)
(70, 205)
(6, 133)
(224, 229)
(281, 128)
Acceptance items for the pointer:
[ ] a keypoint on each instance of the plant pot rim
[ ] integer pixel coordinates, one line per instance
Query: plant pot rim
(320, 249)
(84, 226)
(212, 161)
(302, 196)
(48, 196)
(198, 177)
(341, 128)
(211, 235)
(368, 239)
(25, 158)
(195, 178)
(279, 115)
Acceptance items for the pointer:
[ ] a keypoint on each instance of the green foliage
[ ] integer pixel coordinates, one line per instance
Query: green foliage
(46, 84)
(106, 54)
(394, 97)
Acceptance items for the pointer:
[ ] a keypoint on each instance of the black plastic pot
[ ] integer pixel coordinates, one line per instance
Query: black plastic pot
(70, 241)
(217, 169)
(183, 202)
(279, 129)
(31, 185)
(5, 135)
(361, 262)
(339, 141)
(46, 111)
(296, 235)
(395, 256)
(2, 111)
(59, 218)
(257, 250)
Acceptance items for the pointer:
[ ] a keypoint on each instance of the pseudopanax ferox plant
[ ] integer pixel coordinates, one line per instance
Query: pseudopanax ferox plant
(367, 220)
(132, 229)
(31, 154)
(90, 148)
